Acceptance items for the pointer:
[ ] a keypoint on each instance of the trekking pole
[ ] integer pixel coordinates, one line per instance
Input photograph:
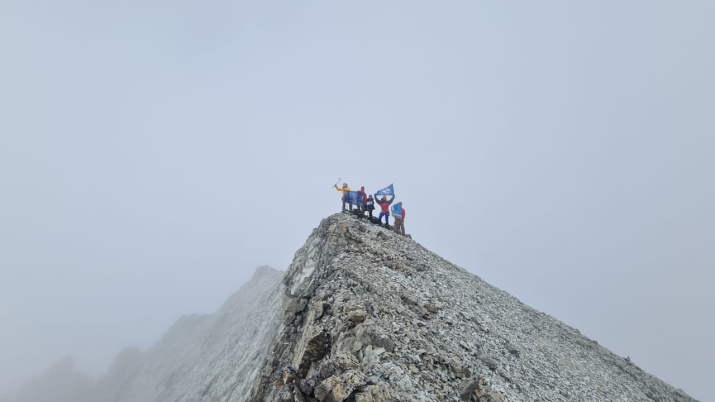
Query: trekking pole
(336, 183)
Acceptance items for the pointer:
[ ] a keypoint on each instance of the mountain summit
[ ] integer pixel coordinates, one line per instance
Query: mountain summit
(366, 315)
(370, 315)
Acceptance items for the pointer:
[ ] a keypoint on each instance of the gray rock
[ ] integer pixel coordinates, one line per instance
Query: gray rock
(357, 315)
(488, 361)
(467, 389)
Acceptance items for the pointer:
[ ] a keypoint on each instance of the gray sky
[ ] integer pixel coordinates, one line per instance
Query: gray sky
(154, 153)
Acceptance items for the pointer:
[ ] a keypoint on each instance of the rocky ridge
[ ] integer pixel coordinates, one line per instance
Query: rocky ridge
(364, 315)
(203, 358)
(370, 315)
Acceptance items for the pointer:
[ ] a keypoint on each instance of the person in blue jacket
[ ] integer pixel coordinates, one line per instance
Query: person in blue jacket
(399, 218)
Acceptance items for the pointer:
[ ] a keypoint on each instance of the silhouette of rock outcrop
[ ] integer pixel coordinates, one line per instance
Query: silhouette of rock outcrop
(62, 382)
(204, 357)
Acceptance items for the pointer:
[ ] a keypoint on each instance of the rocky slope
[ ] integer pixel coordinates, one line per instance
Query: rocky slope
(203, 358)
(370, 315)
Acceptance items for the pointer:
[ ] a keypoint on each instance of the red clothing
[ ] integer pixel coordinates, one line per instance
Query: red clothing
(385, 205)
(403, 215)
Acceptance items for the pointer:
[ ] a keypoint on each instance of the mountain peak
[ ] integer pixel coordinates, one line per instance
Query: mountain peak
(372, 315)
(364, 314)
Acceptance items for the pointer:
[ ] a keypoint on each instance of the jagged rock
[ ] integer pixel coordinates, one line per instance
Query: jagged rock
(331, 390)
(488, 361)
(384, 343)
(459, 370)
(337, 388)
(372, 393)
(289, 375)
(293, 305)
(336, 365)
(493, 397)
(289, 393)
(310, 350)
(467, 389)
(372, 380)
(513, 350)
(357, 315)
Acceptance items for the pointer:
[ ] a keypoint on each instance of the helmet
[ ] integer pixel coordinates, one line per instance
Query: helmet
(345, 184)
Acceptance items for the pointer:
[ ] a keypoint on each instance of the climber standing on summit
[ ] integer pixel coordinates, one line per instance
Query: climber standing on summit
(398, 212)
(385, 209)
(362, 200)
(369, 205)
(344, 189)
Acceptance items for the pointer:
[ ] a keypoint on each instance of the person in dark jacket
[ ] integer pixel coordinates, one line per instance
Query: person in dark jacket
(369, 205)
(385, 209)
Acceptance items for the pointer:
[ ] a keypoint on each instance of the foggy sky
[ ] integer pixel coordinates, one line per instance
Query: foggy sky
(153, 154)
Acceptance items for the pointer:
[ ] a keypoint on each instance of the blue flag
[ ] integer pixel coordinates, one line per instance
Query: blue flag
(386, 191)
(397, 209)
(352, 197)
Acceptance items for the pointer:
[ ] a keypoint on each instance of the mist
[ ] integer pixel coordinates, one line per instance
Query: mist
(154, 154)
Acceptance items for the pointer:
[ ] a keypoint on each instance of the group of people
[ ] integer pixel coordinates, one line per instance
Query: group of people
(365, 203)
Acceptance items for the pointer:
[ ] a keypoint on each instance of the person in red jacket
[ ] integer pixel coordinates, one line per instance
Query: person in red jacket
(400, 220)
(385, 208)
(363, 199)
